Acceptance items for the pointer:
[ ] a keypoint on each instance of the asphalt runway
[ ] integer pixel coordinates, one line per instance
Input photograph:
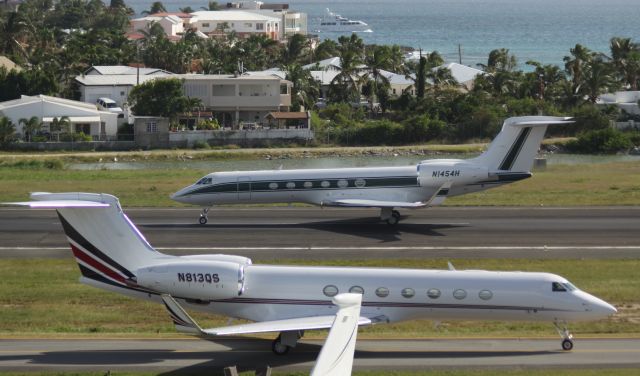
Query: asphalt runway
(314, 233)
(191, 356)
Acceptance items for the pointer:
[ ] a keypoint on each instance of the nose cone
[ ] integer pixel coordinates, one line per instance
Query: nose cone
(600, 308)
(182, 195)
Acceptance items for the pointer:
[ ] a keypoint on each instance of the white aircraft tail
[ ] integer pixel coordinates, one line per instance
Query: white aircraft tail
(105, 243)
(517, 144)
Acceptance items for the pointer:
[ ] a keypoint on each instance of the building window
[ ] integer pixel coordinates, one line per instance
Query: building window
(459, 294)
(205, 24)
(284, 89)
(152, 127)
(248, 24)
(433, 293)
(408, 292)
(330, 290)
(356, 290)
(382, 292)
(259, 26)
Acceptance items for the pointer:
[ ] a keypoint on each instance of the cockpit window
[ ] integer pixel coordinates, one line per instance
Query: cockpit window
(569, 286)
(557, 287)
(204, 180)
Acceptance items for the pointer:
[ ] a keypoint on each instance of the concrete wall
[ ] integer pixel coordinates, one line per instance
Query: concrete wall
(69, 146)
(252, 137)
(158, 138)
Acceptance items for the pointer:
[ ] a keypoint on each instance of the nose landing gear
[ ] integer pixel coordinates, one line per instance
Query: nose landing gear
(203, 216)
(567, 337)
(286, 341)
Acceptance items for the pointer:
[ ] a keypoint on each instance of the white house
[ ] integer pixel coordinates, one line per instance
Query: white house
(84, 117)
(105, 70)
(243, 23)
(114, 86)
(466, 76)
(624, 100)
(172, 24)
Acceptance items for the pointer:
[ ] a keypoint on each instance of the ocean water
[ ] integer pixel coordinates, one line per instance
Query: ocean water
(541, 30)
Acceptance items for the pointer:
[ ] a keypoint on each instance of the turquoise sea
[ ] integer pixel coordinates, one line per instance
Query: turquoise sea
(541, 30)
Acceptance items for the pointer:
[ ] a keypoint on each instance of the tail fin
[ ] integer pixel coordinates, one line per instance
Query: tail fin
(105, 243)
(515, 147)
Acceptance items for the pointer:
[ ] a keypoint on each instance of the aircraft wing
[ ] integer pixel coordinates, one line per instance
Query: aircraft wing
(436, 199)
(185, 324)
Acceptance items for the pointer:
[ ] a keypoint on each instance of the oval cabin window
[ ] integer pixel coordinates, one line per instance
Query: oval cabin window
(360, 183)
(485, 294)
(308, 184)
(343, 183)
(357, 290)
(330, 290)
(291, 185)
(459, 294)
(408, 292)
(433, 293)
(325, 184)
(273, 185)
(382, 292)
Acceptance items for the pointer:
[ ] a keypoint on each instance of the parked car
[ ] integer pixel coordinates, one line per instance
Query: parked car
(108, 104)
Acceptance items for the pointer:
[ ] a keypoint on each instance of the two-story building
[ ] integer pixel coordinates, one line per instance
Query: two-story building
(244, 24)
(239, 100)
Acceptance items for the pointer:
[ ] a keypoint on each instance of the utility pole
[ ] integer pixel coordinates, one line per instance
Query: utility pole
(459, 54)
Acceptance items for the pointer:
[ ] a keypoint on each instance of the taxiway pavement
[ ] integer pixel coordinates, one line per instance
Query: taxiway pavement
(313, 233)
(189, 355)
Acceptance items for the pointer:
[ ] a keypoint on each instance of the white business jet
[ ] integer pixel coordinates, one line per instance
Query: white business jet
(113, 255)
(509, 158)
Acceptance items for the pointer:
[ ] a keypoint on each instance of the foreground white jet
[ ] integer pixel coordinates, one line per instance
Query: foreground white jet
(509, 158)
(114, 255)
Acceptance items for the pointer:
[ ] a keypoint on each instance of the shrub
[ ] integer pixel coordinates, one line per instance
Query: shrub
(199, 144)
(601, 141)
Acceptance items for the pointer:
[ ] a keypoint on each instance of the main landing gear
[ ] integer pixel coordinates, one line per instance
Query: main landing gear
(567, 337)
(286, 341)
(392, 217)
(203, 216)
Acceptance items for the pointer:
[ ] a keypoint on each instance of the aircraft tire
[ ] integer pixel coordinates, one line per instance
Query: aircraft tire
(202, 220)
(393, 220)
(278, 348)
(567, 344)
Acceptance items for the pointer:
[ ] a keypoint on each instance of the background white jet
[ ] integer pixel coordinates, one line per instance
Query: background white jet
(509, 158)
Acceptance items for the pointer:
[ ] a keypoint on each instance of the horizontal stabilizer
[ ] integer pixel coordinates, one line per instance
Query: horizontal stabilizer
(59, 204)
(68, 200)
(185, 324)
(439, 195)
(336, 355)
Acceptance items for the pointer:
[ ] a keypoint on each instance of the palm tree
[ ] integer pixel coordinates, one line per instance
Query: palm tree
(305, 89)
(14, 30)
(30, 126)
(377, 59)
(213, 5)
(60, 124)
(295, 49)
(598, 78)
(441, 76)
(574, 64)
(156, 7)
(7, 130)
(624, 54)
(499, 60)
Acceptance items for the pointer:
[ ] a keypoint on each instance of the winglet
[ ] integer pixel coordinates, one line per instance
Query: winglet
(440, 195)
(336, 356)
(184, 323)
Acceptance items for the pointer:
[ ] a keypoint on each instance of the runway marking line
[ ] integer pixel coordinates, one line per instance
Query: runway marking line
(348, 248)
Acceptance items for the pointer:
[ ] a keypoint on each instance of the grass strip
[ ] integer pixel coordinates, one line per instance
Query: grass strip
(559, 185)
(42, 297)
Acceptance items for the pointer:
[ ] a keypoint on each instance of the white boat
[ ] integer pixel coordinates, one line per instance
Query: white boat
(333, 22)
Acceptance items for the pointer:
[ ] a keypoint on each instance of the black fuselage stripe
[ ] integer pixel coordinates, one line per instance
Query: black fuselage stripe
(84, 243)
(513, 153)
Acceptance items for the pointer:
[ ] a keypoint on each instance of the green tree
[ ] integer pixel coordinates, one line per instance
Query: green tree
(30, 127)
(625, 56)
(598, 78)
(305, 89)
(14, 32)
(295, 49)
(160, 97)
(7, 130)
(60, 125)
(156, 7)
(213, 5)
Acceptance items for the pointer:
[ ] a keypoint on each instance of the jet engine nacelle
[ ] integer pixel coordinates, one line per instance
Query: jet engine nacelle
(204, 280)
(458, 171)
